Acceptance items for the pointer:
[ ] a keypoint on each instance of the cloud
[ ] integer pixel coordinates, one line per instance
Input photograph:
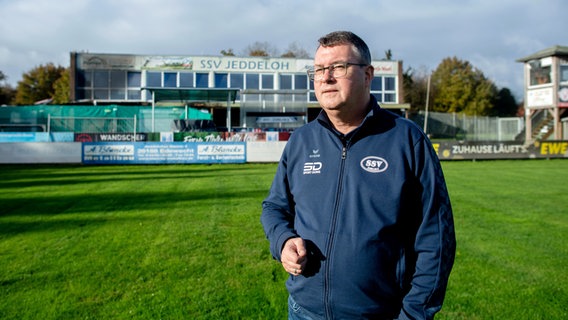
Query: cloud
(490, 34)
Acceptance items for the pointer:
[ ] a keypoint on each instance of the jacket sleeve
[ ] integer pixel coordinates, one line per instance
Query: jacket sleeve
(277, 216)
(435, 241)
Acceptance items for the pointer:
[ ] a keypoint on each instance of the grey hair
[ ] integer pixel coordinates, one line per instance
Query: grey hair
(347, 38)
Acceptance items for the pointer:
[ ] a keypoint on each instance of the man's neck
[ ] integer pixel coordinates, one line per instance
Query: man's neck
(346, 122)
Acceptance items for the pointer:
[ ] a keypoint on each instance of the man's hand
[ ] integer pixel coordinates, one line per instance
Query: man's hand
(294, 256)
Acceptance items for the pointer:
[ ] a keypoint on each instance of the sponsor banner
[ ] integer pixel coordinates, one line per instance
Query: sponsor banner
(219, 136)
(110, 137)
(454, 150)
(36, 136)
(198, 136)
(162, 153)
(276, 119)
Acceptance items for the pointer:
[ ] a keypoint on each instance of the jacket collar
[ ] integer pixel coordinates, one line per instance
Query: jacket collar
(374, 108)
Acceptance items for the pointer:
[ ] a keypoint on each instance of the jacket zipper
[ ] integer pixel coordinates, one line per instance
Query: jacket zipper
(327, 286)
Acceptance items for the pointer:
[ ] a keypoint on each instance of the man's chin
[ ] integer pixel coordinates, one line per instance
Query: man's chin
(330, 106)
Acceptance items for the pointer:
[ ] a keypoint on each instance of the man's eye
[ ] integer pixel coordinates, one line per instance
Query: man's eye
(338, 67)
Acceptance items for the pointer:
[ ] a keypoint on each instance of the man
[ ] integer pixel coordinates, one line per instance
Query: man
(358, 212)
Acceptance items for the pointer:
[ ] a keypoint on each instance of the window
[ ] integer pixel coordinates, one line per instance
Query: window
(221, 80)
(301, 82)
(237, 80)
(101, 94)
(564, 73)
(390, 97)
(84, 79)
(390, 84)
(252, 81)
(134, 95)
(118, 79)
(312, 97)
(83, 94)
(134, 79)
(186, 79)
(117, 94)
(539, 75)
(101, 79)
(378, 96)
(267, 81)
(286, 81)
(153, 79)
(377, 84)
(201, 80)
(170, 79)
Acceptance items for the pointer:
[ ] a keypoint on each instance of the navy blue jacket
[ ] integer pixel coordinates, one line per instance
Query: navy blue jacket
(375, 213)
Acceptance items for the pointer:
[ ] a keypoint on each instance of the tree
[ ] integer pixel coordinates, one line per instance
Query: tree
(459, 87)
(388, 55)
(7, 93)
(506, 104)
(261, 49)
(62, 88)
(228, 52)
(38, 84)
(295, 51)
(415, 87)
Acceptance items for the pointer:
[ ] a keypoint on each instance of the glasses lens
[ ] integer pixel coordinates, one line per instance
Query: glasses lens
(339, 70)
(318, 73)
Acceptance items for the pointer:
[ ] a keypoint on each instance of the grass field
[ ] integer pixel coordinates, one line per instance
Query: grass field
(185, 242)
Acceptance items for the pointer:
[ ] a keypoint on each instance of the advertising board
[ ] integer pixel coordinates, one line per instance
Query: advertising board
(454, 150)
(162, 153)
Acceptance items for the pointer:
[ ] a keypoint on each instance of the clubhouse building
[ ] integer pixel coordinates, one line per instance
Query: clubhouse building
(240, 92)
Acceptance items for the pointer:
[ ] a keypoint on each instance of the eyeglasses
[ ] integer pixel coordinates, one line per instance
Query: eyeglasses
(336, 70)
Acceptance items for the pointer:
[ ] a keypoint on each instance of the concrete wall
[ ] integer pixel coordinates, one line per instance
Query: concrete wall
(70, 152)
(40, 152)
(265, 151)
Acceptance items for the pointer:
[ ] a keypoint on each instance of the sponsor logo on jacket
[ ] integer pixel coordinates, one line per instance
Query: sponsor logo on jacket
(312, 167)
(374, 164)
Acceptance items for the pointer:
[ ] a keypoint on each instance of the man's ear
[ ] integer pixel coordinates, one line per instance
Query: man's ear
(369, 74)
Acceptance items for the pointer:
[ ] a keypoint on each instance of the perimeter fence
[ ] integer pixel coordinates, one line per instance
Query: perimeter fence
(145, 119)
(99, 119)
(454, 126)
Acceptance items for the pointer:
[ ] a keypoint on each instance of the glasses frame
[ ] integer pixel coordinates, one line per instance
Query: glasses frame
(331, 68)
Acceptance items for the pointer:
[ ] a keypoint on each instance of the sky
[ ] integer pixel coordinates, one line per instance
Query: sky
(490, 34)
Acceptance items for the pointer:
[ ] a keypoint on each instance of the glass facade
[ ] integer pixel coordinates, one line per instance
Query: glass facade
(117, 84)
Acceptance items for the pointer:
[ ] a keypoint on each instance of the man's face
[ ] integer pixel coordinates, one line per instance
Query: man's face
(347, 92)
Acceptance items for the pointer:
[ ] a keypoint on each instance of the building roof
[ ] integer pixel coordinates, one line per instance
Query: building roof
(558, 51)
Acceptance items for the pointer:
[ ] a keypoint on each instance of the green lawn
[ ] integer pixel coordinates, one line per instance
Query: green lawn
(185, 242)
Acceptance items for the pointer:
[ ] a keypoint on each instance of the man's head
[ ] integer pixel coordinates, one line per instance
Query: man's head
(347, 38)
(342, 74)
